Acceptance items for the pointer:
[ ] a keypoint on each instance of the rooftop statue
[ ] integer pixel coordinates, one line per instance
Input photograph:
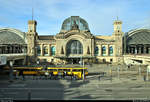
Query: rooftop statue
(74, 26)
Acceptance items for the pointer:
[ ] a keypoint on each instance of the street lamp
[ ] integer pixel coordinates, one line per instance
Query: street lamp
(118, 69)
(83, 69)
(11, 70)
(140, 71)
(110, 73)
(148, 70)
(82, 66)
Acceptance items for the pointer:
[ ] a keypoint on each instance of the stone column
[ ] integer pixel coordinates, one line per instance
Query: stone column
(148, 50)
(50, 53)
(107, 50)
(100, 50)
(48, 49)
(144, 49)
(135, 49)
(14, 49)
(11, 49)
(6, 49)
(92, 47)
(132, 50)
(41, 49)
(140, 50)
(0, 50)
(128, 49)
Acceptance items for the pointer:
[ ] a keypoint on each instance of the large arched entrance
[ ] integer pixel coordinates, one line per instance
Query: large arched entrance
(74, 50)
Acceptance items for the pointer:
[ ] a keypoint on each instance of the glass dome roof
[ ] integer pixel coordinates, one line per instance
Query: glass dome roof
(68, 23)
(140, 36)
(11, 36)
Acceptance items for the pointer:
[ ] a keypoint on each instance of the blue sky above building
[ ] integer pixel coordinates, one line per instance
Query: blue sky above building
(99, 14)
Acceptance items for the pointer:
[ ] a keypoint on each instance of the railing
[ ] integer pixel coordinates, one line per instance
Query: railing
(138, 54)
(145, 55)
(14, 54)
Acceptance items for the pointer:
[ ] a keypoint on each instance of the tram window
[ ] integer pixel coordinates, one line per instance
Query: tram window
(85, 70)
(31, 70)
(79, 69)
(54, 69)
(50, 69)
(76, 70)
(60, 69)
(67, 70)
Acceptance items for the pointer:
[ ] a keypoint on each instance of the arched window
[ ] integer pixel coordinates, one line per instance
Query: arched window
(96, 51)
(74, 47)
(45, 51)
(104, 60)
(110, 50)
(103, 51)
(38, 50)
(53, 50)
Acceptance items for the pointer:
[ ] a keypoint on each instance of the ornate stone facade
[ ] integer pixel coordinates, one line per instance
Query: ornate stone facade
(75, 42)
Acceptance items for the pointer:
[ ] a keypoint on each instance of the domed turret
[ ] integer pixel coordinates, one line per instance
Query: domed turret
(74, 23)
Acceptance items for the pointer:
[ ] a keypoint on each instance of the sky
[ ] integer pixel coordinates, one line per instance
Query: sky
(99, 14)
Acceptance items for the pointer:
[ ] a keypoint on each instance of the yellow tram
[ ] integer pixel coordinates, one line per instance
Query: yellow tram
(79, 73)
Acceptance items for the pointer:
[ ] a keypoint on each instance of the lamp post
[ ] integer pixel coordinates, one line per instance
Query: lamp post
(140, 71)
(118, 69)
(148, 70)
(110, 73)
(11, 70)
(82, 66)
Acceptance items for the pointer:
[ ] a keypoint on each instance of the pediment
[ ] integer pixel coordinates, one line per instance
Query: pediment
(87, 35)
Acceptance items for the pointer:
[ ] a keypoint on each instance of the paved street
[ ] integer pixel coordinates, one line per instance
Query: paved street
(73, 90)
(128, 86)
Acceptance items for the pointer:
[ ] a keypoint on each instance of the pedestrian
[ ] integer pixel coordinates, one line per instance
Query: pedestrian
(21, 74)
(51, 75)
(74, 77)
(16, 73)
(128, 66)
(144, 77)
(103, 74)
(64, 74)
(59, 75)
(46, 75)
(90, 64)
(99, 77)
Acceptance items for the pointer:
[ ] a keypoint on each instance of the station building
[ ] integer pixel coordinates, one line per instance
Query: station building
(73, 43)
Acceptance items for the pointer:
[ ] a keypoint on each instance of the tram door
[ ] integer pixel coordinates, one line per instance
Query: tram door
(75, 60)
